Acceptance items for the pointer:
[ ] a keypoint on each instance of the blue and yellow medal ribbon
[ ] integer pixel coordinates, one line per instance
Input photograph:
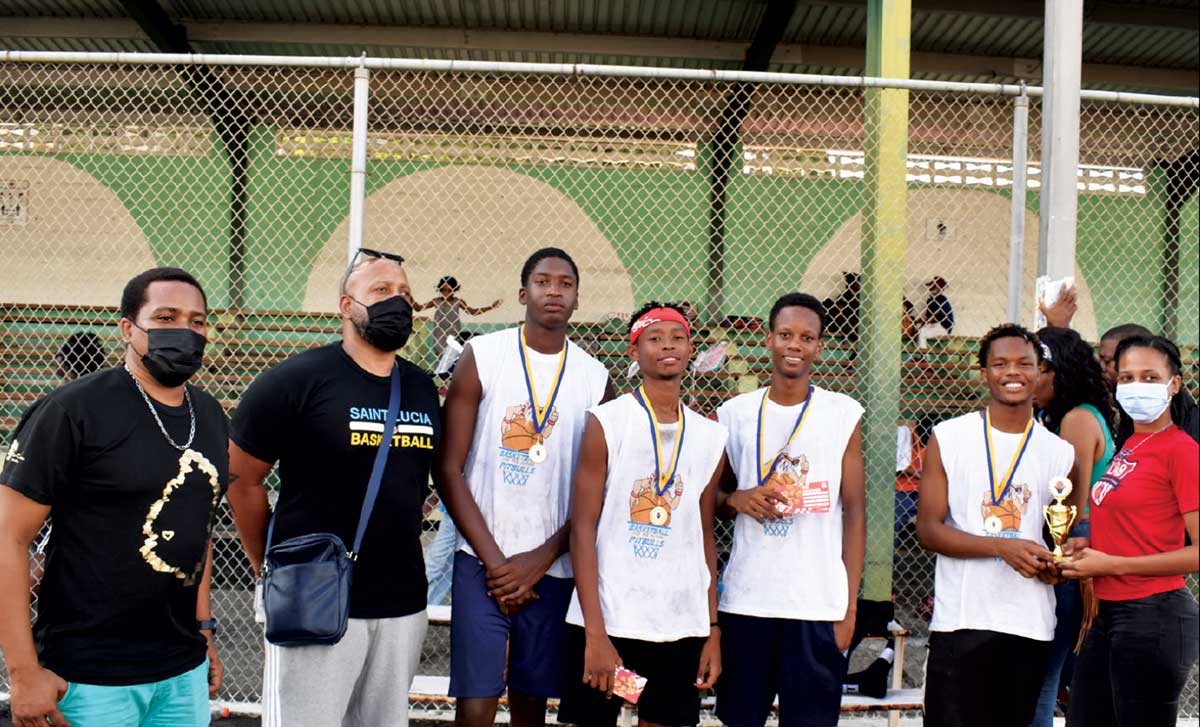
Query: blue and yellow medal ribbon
(541, 414)
(764, 473)
(1006, 482)
(662, 482)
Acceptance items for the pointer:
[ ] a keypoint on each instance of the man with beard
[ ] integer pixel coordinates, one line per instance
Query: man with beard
(320, 415)
(130, 462)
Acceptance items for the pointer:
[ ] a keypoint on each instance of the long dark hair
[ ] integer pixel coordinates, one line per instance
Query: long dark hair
(1174, 362)
(1078, 377)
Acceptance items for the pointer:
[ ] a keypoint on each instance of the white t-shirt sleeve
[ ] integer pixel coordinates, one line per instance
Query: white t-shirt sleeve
(483, 353)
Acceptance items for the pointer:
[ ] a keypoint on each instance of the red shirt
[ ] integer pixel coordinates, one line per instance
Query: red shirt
(1138, 507)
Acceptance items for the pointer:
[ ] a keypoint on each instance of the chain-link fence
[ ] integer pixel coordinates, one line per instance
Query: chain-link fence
(716, 192)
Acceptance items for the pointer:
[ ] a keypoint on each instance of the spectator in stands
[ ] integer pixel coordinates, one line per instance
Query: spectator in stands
(1184, 411)
(80, 355)
(842, 312)
(1075, 404)
(447, 311)
(124, 628)
(642, 541)
(515, 412)
(794, 484)
(319, 415)
(938, 318)
(1137, 655)
(908, 321)
(985, 482)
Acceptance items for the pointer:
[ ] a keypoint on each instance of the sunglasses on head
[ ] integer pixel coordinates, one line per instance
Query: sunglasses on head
(398, 259)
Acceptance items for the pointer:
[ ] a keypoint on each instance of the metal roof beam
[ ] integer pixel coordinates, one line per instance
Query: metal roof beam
(1094, 13)
(584, 45)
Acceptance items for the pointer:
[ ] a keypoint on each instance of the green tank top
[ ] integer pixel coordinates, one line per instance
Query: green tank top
(1101, 465)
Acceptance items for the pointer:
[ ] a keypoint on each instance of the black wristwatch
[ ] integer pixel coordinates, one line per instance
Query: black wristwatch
(207, 625)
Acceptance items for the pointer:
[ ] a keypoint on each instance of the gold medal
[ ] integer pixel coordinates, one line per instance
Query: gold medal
(540, 412)
(659, 515)
(537, 453)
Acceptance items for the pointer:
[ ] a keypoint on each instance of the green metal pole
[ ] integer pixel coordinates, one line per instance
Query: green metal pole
(883, 250)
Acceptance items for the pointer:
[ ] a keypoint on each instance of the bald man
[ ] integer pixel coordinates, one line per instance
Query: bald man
(320, 416)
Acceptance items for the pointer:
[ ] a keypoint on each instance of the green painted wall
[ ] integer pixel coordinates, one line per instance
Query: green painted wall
(776, 226)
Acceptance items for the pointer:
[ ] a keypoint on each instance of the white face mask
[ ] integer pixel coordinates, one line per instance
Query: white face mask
(1143, 402)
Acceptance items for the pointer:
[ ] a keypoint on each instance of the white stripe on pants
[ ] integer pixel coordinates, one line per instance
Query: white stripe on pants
(361, 681)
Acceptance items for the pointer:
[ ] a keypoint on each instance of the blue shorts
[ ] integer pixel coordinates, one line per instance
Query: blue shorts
(763, 657)
(534, 638)
(180, 701)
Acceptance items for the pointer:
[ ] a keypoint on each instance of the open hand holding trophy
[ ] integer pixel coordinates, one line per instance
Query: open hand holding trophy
(1060, 517)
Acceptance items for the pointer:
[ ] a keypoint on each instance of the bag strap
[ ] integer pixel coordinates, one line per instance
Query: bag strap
(376, 470)
(385, 445)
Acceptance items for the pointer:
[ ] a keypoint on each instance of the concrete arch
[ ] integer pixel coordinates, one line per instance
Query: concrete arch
(75, 242)
(477, 224)
(972, 256)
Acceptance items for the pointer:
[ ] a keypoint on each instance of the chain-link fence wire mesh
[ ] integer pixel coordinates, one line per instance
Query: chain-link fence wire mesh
(718, 194)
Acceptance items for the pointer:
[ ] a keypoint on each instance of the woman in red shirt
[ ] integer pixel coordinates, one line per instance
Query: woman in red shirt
(1137, 655)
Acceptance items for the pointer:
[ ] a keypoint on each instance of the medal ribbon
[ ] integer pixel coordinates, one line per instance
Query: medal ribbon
(541, 414)
(662, 483)
(765, 474)
(1012, 467)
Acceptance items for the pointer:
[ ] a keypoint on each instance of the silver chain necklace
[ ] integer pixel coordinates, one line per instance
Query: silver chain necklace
(1125, 452)
(191, 413)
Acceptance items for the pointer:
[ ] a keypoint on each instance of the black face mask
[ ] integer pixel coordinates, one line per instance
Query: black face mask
(389, 323)
(173, 354)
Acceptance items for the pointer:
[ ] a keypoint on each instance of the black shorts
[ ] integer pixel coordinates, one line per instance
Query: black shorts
(983, 679)
(670, 697)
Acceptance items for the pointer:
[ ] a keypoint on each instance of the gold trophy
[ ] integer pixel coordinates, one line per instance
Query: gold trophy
(1059, 517)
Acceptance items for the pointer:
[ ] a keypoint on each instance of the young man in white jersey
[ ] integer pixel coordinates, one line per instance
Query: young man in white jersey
(795, 484)
(642, 541)
(983, 489)
(514, 416)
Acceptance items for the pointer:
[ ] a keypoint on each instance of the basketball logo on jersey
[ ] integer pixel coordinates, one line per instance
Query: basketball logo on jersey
(790, 479)
(517, 435)
(1117, 470)
(1003, 519)
(650, 515)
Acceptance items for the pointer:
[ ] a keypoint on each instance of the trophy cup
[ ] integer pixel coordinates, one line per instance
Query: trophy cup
(1059, 517)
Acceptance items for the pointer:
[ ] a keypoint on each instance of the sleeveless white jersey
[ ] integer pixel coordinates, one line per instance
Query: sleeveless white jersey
(524, 502)
(790, 568)
(650, 547)
(986, 593)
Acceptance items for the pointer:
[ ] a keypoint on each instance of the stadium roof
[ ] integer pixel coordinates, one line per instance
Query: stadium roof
(1144, 45)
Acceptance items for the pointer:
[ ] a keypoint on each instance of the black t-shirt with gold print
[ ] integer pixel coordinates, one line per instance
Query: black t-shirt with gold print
(131, 518)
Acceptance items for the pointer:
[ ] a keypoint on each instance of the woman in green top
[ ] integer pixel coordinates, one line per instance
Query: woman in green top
(1075, 404)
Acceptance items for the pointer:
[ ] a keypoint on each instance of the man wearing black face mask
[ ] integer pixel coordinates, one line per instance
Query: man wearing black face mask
(320, 415)
(130, 462)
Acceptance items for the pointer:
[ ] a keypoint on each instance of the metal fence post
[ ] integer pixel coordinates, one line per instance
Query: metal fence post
(1016, 235)
(1060, 137)
(358, 160)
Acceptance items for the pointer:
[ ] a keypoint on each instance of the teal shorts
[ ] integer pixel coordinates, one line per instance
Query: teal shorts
(180, 701)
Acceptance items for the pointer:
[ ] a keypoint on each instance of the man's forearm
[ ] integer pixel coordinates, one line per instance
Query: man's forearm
(560, 541)
(204, 592)
(461, 505)
(854, 551)
(946, 540)
(251, 515)
(586, 565)
(16, 633)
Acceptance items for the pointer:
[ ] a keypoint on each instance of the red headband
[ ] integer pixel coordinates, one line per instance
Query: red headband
(657, 315)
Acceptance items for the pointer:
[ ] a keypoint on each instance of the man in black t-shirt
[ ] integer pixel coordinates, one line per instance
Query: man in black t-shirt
(319, 415)
(130, 462)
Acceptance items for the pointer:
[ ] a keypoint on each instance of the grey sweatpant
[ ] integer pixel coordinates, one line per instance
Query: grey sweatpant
(361, 681)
